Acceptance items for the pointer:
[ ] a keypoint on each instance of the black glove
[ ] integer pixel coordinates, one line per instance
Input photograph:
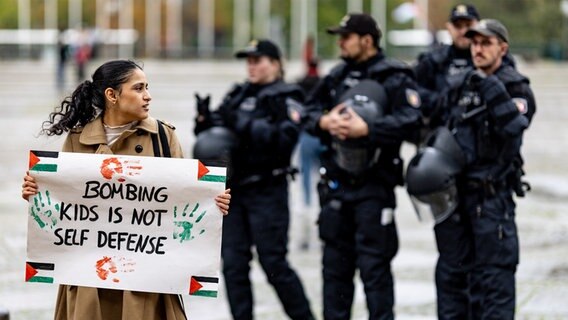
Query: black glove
(474, 78)
(493, 91)
(202, 105)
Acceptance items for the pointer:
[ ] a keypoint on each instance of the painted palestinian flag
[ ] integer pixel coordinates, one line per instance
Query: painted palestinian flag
(210, 174)
(204, 286)
(45, 161)
(39, 272)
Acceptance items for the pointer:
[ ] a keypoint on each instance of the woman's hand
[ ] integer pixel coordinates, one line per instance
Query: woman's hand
(29, 187)
(222, 201)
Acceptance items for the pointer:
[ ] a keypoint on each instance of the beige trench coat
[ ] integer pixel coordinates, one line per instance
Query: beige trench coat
(78, 303)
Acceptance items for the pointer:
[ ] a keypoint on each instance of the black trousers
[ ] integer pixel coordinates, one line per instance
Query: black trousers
(455, 261)
(496, 250)
(358, 233)
(479, 253)
(259, 217)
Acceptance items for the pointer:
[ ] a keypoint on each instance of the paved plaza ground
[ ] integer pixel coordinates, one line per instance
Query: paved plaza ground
(27, 95)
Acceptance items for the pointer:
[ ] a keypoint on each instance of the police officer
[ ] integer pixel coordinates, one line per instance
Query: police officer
(361, 168)
(433, 67)
(433, 70)
(264, 113)
(488, 110)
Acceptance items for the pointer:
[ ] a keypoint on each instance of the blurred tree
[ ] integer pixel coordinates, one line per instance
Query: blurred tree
(535, 25)
(8, 14)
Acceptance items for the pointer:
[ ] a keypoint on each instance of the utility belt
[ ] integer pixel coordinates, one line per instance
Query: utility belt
(331, 180)
(335, 176)
(348, 188)
(259, 178)
(487, 187)
(386, 171)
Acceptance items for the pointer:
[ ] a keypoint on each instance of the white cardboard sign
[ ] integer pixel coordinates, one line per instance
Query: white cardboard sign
(125, 222)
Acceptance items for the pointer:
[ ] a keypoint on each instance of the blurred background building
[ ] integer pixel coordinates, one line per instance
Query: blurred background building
(215, 28)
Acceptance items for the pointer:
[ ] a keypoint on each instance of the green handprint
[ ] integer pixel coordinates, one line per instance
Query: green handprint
(44, 215)
(184, 224)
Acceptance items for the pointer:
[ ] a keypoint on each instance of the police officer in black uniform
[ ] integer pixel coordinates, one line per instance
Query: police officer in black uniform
(433, 67)
(264, 113)
(487, 110)
(361, 168)
(433, 70)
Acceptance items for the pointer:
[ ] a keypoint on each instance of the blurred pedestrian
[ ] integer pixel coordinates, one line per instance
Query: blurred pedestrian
(82, 55)
(487, 111)
(361, 165)
(309, 148)
(62, 58)
(110, 115)
(264, 112)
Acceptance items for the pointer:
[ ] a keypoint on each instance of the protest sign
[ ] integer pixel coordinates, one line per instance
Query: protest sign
(125, 222)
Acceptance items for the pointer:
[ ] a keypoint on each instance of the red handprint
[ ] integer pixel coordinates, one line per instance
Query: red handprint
(113, 165)
(107, 266)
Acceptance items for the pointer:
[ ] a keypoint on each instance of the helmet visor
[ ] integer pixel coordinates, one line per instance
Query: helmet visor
(438, 205)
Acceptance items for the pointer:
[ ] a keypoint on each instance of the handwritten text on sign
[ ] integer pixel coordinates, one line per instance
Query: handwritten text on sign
(125, 222)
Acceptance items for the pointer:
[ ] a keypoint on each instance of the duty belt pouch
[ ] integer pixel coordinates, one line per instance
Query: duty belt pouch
(329, 221)
(323, 192)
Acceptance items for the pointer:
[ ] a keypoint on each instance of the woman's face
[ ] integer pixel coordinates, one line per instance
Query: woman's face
(262, 70)
(132, 101)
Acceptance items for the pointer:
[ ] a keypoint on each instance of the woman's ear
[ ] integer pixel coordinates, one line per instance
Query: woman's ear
(110, 95)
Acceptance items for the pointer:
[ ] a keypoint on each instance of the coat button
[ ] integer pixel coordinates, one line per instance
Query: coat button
(138, 148)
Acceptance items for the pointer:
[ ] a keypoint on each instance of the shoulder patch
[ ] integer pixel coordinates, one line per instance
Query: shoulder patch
(294, 110)
(413, 98)
(522, 105)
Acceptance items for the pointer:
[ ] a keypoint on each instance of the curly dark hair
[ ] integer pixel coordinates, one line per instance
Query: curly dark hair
(88, 99)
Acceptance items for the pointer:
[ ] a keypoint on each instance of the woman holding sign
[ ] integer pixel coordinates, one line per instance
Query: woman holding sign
(109, 115)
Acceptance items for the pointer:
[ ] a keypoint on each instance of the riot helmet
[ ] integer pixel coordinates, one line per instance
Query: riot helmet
(368, 99)
(442, 139)
(213, 146)
(431, 177)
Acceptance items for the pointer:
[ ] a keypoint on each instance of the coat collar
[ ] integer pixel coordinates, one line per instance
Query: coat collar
(94, 132)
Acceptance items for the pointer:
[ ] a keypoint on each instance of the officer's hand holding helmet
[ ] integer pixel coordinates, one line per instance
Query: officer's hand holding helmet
(431, 176)
(359, 107)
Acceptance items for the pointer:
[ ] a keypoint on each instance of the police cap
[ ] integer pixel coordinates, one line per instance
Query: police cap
(489, 28)
(259, 48)
(464, 11)
(359, 23)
